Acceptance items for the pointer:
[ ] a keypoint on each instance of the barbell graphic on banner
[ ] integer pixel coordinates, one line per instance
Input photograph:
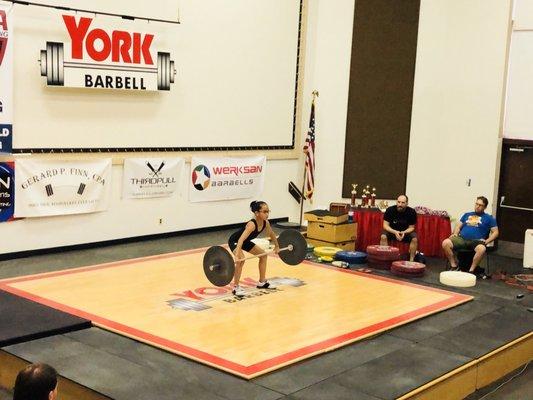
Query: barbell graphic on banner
(50, 189)
(54, 67)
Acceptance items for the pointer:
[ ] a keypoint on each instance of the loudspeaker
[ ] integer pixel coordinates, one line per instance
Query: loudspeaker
(295, 192)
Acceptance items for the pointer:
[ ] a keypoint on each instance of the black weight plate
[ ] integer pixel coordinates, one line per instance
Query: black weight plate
(224, 269)
(299, 247)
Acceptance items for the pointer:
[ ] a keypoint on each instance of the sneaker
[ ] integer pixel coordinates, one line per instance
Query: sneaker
(238, 291)
(266, 285)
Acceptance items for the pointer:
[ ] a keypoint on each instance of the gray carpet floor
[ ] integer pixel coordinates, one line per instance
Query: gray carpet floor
(382, 367)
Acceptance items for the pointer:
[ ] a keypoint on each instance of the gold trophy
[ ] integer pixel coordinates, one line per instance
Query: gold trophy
(354, 194)
(373, 198)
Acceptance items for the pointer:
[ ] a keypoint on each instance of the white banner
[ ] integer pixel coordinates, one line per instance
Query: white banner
(6, 78)
(151, 177)
(105, 53)
(226, 178)
(55, 187)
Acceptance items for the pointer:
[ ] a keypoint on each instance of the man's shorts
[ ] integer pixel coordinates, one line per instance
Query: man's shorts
(406, 238)
(460, 243)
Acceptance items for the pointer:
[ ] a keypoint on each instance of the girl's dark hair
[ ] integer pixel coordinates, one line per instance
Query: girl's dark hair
(256, 205)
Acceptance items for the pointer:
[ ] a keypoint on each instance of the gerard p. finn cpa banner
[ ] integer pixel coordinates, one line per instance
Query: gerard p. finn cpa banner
(226, 178)
(55, 187)
(151, 177)
(6, 79)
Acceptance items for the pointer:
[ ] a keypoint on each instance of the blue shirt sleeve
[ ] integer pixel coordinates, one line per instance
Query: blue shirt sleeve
(492, 222)
(463, 218)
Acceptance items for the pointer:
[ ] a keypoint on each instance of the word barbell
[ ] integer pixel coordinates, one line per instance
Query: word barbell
(219, 265)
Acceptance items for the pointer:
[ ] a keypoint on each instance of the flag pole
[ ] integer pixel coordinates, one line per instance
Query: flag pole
(303, 197)
(315, 95)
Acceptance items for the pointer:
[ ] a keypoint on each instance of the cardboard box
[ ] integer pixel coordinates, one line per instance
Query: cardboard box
(348, 245)
(332, 232)
(325, 216)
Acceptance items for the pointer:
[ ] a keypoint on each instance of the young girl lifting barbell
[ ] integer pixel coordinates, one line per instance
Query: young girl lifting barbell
(242, 240)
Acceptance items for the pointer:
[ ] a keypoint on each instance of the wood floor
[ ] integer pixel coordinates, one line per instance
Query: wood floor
(166, 301)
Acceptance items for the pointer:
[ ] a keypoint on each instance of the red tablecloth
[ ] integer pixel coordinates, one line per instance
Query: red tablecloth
(431, 231)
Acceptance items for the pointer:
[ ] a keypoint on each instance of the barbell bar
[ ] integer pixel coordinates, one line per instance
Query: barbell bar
(289, 248)
(219, 264)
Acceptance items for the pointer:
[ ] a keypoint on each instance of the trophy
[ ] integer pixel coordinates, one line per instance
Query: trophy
(373, 198)
(354, 194)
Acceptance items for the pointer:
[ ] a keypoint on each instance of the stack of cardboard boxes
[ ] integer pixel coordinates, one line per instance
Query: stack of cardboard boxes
(329, 229)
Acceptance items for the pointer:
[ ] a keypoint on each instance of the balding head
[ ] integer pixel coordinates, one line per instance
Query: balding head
(36, 382)
(401, 202)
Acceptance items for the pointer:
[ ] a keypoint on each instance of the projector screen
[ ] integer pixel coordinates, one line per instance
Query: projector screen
(234, 87)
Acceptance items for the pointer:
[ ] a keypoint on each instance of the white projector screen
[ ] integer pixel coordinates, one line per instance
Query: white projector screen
(236, 63)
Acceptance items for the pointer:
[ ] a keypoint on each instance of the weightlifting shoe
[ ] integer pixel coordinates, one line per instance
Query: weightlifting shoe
(266, 285)
(238, 291)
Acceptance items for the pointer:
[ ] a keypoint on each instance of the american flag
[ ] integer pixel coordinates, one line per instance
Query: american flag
(309, 150)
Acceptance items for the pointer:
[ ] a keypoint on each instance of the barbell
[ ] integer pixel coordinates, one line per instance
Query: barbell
(219, 264)
(53, 67)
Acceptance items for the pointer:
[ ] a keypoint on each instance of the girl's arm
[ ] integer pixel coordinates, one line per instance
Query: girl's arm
(273, 237)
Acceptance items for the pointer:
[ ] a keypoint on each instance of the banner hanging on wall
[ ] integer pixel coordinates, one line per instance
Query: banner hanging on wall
(6, 79)
(107, 54)
(7, 191)
(151, 177)
(226, 178)
(55, 187)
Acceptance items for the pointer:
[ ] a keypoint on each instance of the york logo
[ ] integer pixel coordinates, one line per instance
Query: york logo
(130, 48)
(195, 300)
(105, 58)
(3, 34)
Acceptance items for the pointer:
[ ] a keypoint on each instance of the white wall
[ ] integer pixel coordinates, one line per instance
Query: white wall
(454, 135)
(328, 47)
(457, 103)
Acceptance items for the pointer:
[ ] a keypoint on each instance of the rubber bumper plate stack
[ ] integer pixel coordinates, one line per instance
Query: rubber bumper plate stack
(381, 257)
(351, 257)
(408, 269)
(325, 251)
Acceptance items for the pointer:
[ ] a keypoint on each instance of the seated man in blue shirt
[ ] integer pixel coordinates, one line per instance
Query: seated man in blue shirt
(474, 231)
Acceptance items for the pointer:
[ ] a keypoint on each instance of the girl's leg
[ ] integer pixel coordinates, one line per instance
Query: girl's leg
(262, 262)
(238, 272)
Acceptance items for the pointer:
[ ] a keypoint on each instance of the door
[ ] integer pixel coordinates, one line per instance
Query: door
(515, 194)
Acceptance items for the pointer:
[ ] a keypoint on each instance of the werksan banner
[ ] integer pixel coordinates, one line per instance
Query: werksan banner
(55, 187)
(226, 178)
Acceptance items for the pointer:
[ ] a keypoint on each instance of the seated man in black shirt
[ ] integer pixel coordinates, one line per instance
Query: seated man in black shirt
(399, 224)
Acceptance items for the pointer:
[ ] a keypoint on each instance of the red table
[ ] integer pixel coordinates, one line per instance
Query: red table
(430, 229)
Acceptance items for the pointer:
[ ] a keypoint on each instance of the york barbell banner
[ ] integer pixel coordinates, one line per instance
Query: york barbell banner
(6, 79)
(55, 187)
(226, 178)
(151, 177)
(105, 53)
